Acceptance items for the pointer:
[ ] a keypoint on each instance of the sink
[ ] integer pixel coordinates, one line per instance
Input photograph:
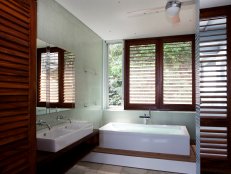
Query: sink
(77, 125)
(62, 136)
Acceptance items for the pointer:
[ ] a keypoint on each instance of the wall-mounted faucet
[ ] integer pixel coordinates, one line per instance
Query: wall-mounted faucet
(146, 117)
(61, 117)
(41, 123)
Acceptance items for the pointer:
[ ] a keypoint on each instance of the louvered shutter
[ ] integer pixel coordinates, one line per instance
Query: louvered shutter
(159, 73)
(49, 82)
(17, 86)
(215, 90)
(213, 86)
(141, 73)
(69, 77)
(177, 70)
(52, 77)
(56, 78)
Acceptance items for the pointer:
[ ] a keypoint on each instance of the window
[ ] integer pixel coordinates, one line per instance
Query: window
(115, 78)
(56, 79)
(159, 73)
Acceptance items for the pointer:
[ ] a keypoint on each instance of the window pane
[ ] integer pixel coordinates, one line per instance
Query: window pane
(115, 74)
(69, 77)
(177, 73)
(142, 74)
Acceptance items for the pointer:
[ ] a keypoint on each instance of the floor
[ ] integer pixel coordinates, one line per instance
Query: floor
(95, 168)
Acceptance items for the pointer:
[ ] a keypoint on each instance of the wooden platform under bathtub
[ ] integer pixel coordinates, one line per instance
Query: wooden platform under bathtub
(191, 158)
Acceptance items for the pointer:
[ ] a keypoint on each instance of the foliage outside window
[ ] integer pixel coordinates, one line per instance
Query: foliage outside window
(177, 87)
(115, 75)
(159, 73)
(56, 78)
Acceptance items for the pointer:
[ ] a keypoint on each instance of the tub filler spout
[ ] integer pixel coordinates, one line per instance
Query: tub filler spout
(146, 117)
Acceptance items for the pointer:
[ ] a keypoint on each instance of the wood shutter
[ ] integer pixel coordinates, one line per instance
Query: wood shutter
(177, 73)
(69, 78)
(215, 89)
(48, 60)
(159, 73)
(17, 86)
(56, 78)
(140, 74)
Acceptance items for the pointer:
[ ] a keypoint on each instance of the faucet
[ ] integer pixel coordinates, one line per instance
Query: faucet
(60, 117)
(146, 117)
(41, 123)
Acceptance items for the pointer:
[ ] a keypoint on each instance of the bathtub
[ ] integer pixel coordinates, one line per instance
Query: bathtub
(166, 139)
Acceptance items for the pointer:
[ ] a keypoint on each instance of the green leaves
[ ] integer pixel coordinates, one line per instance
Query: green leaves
(115, 74)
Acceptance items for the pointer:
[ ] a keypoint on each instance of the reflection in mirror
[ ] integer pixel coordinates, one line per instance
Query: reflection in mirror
(55, 79)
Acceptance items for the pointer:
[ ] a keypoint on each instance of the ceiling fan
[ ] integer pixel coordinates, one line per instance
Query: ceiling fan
(172, 9)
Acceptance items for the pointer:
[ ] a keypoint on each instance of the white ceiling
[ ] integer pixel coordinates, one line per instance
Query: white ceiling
(111, 21)
(42, 44)
(213, 3)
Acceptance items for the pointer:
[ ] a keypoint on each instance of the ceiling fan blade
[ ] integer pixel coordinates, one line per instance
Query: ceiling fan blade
(176, 19)
(186, 3)
(145, 11)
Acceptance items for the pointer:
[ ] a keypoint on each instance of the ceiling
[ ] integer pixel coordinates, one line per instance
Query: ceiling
(111, 21)
(213, 3)
(42, 44)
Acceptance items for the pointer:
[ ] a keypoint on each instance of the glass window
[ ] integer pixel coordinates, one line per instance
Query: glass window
(115, 77)
(159, 73)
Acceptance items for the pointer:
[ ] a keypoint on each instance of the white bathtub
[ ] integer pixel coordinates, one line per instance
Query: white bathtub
(165, 139)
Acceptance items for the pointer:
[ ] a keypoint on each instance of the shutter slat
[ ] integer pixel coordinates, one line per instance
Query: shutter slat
(214, 146)
(222, 141)
(213, 135)
(209, 151)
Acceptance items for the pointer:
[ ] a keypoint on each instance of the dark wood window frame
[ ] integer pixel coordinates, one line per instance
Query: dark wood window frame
(60, 103)
(159, 74)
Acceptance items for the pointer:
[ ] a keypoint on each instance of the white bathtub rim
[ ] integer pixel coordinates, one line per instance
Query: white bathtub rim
(183, 128)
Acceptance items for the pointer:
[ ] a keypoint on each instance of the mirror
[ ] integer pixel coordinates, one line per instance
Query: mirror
(55, 79)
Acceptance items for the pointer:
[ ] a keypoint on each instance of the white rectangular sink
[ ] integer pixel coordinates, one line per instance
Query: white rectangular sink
(61, 136)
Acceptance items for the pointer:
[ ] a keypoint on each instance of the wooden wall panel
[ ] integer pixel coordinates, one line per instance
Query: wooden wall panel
(17, 86)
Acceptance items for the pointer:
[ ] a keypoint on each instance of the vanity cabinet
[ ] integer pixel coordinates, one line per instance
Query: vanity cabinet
(59, 162)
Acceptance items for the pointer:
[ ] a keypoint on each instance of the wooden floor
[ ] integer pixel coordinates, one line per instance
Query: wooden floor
(191, 158)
